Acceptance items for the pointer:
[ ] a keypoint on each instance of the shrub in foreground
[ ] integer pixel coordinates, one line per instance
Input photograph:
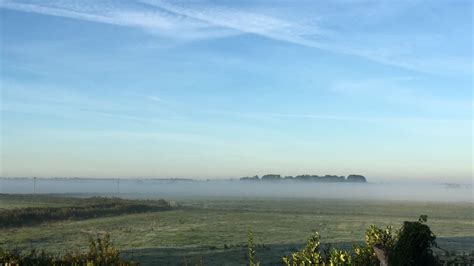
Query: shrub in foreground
(100, 253)
(414, 245)
(411, 245)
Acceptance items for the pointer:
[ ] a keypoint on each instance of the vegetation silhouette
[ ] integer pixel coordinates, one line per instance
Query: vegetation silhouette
(308, 178)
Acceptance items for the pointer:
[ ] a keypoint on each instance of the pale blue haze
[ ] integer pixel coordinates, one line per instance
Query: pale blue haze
(217, 89)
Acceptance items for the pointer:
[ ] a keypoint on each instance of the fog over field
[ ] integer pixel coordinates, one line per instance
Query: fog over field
(164, 132)
(156, 188)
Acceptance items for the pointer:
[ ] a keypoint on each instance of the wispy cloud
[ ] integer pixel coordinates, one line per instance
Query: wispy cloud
(153, 20)
(327, 30)
(155, 98)
(391, 50)
(243, 21)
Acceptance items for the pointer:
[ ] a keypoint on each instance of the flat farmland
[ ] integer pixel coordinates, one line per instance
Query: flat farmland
(213, 230)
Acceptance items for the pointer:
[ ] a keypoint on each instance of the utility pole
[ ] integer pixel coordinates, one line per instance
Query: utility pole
(118, 185)
(34, 185)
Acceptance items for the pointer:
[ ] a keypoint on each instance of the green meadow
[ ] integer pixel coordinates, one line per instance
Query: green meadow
(214, 230)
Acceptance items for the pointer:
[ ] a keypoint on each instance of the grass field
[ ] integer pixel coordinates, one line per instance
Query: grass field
(214, 230)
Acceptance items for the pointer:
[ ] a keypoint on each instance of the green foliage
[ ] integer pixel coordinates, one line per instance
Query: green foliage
(310, 255)
(375, 235)
(340, 257)
(100, 253)
(423, 218)
(414, 245)
(252, 253)
(409, 246)
(364, 255)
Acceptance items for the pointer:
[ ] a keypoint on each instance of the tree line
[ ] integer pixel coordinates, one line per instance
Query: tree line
(312, 178)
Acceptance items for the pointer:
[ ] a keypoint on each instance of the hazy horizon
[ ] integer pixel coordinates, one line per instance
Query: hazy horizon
(148, 188)
(373, 180)
(205, 89)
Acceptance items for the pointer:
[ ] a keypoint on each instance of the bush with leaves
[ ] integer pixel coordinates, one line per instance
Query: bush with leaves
(310, 255)
(411, 245)
(365, 254)
(362, 255)
(340, 257)
(414, 245)
(375, 235)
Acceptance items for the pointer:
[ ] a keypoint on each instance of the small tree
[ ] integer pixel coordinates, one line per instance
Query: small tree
(414, 245)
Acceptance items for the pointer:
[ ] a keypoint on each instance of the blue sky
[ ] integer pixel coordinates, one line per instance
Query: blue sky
(216, 89)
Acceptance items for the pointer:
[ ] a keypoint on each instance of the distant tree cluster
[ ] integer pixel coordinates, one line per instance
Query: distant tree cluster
(311, 178)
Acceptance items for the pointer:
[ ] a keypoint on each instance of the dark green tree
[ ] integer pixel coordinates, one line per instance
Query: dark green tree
(414, 245)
